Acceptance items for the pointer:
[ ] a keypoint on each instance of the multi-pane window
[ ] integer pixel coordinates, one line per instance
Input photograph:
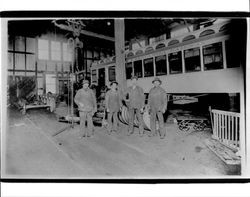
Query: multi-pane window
(129, 70)
(138, 68)
(212, 55)
(67, 53)
(175, 62)
(43, 49)
(55, 50)
(192, 59)
(112, 73)
(148, 67)
(161, 65)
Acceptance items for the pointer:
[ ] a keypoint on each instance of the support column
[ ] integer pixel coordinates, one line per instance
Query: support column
(119, 53)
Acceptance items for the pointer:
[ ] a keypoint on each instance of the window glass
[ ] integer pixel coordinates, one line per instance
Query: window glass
(138, 68)
(43, 49)
(161, 65)
(232, 54)
(212, 55)
(55, 50)
(94, 76)
(192, 60)
(175, 62)
(129, 70)
(112, 73)
(67, 53)
(148, 67)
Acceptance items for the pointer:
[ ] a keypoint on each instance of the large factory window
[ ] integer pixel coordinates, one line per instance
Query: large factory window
(175, 62)
(192, 59)
(56, 51)
(212, 55)
(148, 67)
(232, 54)
(129, 70)
(67, 53)
(161, 65)
(138, 68)
(43, 49)
(112, 73)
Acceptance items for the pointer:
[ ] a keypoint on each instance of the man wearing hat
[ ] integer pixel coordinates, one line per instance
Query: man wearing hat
(157, 101)
(113, 103)
(134, 96)
(86, 101)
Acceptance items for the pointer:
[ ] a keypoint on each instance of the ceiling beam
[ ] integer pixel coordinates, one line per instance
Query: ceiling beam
(85, 32)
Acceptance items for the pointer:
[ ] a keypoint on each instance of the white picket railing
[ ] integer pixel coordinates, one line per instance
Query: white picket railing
(226, 128)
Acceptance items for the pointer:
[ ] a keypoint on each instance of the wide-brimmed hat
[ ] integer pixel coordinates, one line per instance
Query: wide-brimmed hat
(85, 81)
(157, 79)
(112, 82)
(134, 77)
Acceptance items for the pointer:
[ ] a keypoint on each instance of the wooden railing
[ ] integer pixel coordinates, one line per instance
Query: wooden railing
(226, 128)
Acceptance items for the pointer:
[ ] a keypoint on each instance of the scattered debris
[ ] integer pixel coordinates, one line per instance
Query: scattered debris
(226, 154)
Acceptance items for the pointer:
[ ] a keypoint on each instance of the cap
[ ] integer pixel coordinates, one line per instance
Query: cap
(157, 79)
(112, 82)
(85, 81)
(134, 77)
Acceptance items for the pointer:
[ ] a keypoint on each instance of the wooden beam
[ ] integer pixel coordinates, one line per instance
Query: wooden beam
(85, 32)
(119, 53)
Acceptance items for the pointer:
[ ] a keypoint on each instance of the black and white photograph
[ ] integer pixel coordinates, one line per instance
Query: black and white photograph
(124, 98)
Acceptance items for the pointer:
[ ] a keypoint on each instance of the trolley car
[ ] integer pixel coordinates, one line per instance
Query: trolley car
(206, 60)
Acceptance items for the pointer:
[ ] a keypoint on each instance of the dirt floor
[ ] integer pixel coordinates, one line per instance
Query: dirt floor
(33, 152)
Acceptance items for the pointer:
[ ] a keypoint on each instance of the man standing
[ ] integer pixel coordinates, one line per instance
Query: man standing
(86, 101)
(157, 101)
(134, 96)
(113, 102)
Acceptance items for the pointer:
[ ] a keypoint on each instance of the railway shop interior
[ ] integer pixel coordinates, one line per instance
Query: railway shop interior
(157, 98)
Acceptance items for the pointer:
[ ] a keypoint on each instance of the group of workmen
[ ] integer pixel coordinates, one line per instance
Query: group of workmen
(135, 100)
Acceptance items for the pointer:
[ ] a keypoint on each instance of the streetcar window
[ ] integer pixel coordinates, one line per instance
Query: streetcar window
(212, 55)
(232, 54)
(192, 59)
(112, 73)
(138, 68)
(94, 76)
(161, 65)
(148, 67)
(175, 62)
(129, 70)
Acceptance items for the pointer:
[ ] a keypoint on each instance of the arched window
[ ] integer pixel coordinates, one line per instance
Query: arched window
(139, 52)
(206, 33)
(130, 54)
(149, 49)
(187, 38)
(224, 28)
(159, 46)
(173, 42)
